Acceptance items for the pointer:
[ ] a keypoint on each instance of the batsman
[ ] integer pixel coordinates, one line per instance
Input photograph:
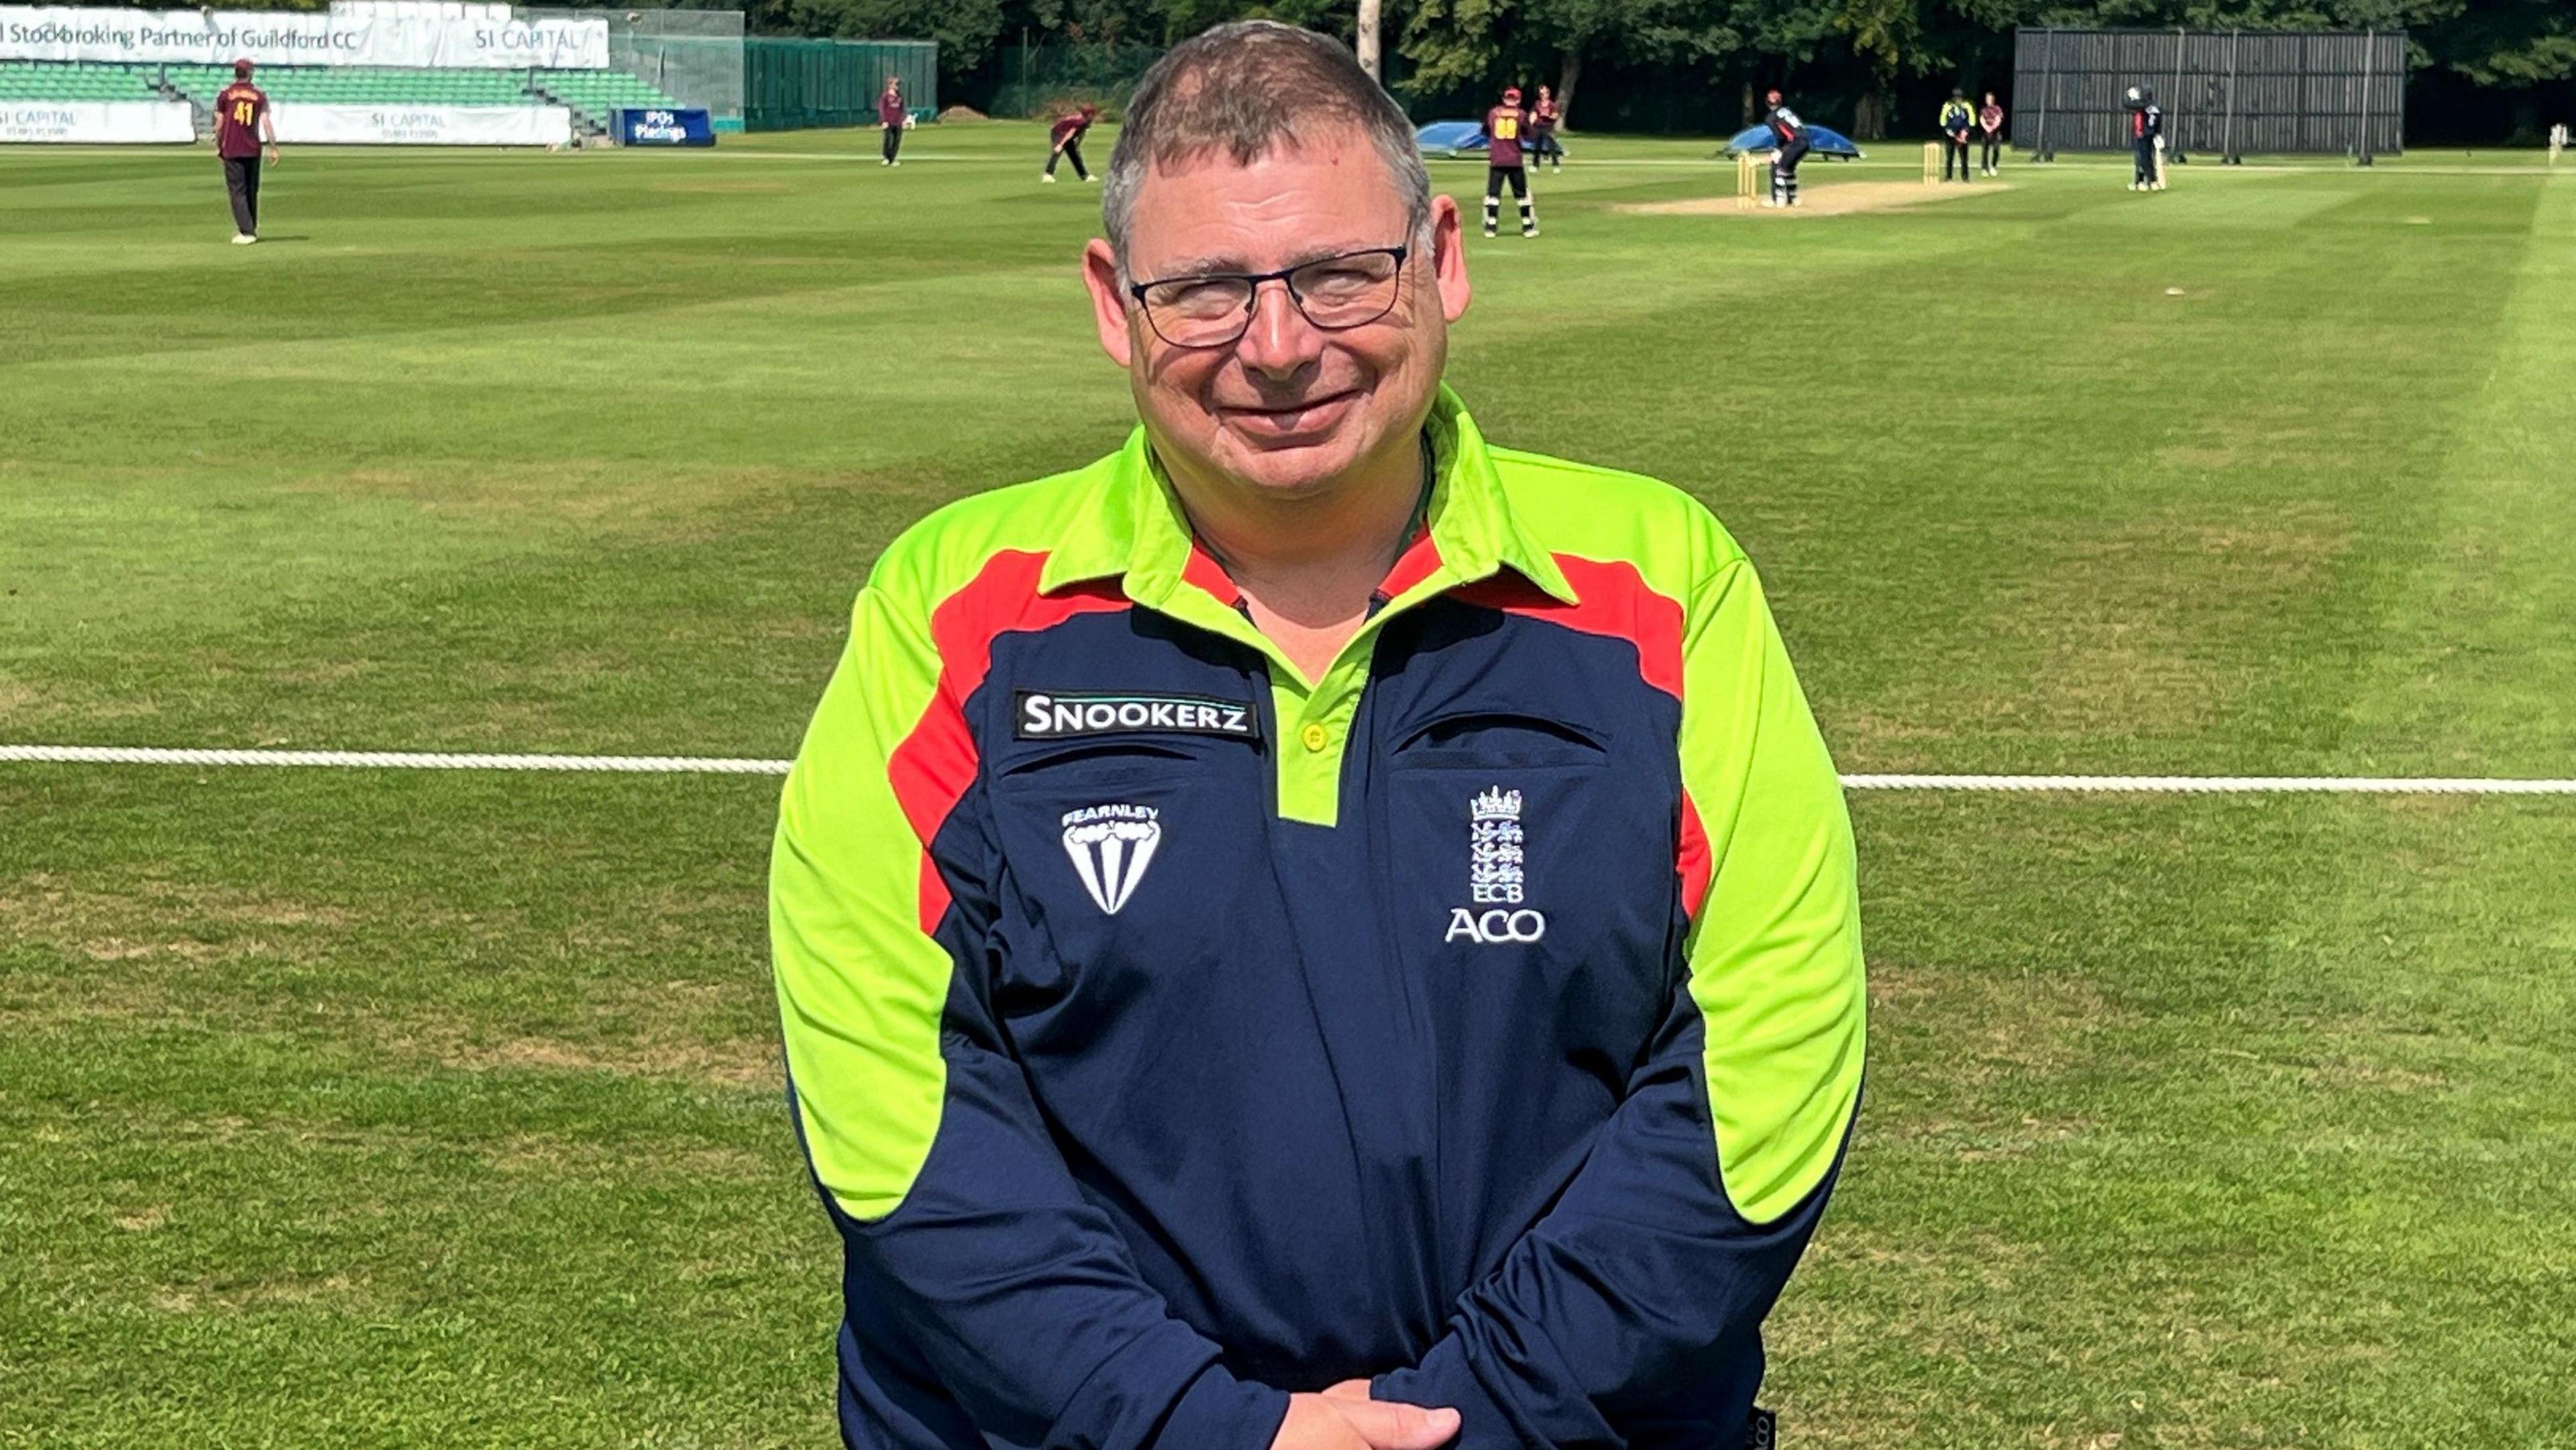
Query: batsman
(2146, 139)
(1788, 148)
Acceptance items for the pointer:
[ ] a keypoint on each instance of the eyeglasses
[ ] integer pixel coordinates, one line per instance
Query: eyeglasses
(1335, 293)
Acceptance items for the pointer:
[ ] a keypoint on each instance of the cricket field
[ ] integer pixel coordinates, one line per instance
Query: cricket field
(364, 1108)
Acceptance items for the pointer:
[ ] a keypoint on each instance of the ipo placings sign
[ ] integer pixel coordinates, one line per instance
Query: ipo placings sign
(482, 38)
(663, 126)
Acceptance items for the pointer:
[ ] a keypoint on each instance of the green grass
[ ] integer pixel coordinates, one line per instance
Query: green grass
(391, 1109)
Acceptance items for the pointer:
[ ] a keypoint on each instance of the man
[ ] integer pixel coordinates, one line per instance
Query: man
(1956, 120)
(1504, 126)
(242, 123)
(1544, 117)
(2146, 140)
(1990, 127)
(1064, 141)
(893, 115)
(1313, 931)
(1788, 148)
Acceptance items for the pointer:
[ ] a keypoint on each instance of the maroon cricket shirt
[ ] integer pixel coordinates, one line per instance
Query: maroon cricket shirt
(1503, 136)
(237, 112)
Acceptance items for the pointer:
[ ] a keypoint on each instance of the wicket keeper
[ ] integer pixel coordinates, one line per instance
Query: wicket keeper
(1314, 931)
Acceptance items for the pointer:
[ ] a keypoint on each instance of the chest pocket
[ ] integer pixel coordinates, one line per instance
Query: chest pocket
(1500, 740)
(1120, 857)
(1489, 811)
(1084, 823)
(1529, 864)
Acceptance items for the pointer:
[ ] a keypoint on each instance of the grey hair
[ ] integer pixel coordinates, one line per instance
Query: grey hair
(1248, 88)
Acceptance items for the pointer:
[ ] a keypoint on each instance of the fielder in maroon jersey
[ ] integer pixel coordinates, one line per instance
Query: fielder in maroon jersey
(242, 123)
(1064, 141)
(1505, 126)
(893, 115)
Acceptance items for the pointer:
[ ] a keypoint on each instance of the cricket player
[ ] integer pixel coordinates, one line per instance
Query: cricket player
(892, 115)
(1314, 931)
(242, 125)
(1957, 120)
(1064, 141)
(2146, 140)
(1990, 129)
(1505, 125)
(1788, 148)
(1545, 116)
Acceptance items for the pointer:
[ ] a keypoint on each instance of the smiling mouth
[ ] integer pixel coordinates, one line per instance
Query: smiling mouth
(1307, 415)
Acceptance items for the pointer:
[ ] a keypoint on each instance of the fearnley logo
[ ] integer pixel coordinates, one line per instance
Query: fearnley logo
(1111, 846)
(1497, 875)
(1039, 715)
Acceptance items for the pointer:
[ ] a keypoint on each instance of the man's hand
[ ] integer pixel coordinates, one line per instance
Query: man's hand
(1341, 1419)
(272, 153)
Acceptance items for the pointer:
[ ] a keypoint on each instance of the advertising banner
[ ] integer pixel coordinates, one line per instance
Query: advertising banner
(97, 121)
(481, 38)
(662, 127)
(298, 122)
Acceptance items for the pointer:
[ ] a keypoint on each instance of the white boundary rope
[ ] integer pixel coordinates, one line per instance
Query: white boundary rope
(394, 760)
(2219, 784)
(729, 765)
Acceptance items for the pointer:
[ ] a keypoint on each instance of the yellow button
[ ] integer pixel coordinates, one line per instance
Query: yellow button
(1316, 737)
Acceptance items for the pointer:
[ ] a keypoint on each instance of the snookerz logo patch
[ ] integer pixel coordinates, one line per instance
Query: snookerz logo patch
(1043, 716)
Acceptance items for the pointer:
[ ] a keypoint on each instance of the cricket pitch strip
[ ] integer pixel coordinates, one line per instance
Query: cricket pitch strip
(1828, 199)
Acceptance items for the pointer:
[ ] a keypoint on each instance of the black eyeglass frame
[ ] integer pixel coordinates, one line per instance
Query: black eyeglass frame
(1252, 299)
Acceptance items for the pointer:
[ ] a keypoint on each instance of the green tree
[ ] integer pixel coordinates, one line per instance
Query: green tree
(1657, 31)
(2505, 42)
(1457, 45)
(965, 29)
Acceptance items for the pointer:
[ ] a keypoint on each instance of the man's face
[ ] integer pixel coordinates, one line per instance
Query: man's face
(1289, 408)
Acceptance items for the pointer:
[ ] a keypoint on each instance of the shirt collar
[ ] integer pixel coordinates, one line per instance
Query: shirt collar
(1132, 527)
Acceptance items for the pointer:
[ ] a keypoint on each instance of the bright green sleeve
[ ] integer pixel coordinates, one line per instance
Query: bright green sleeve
(958, 1214)
(860, 983)
(1774, 945)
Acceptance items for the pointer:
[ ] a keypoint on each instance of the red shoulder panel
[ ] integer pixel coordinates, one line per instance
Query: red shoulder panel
(933, 766)
(1614, 600)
